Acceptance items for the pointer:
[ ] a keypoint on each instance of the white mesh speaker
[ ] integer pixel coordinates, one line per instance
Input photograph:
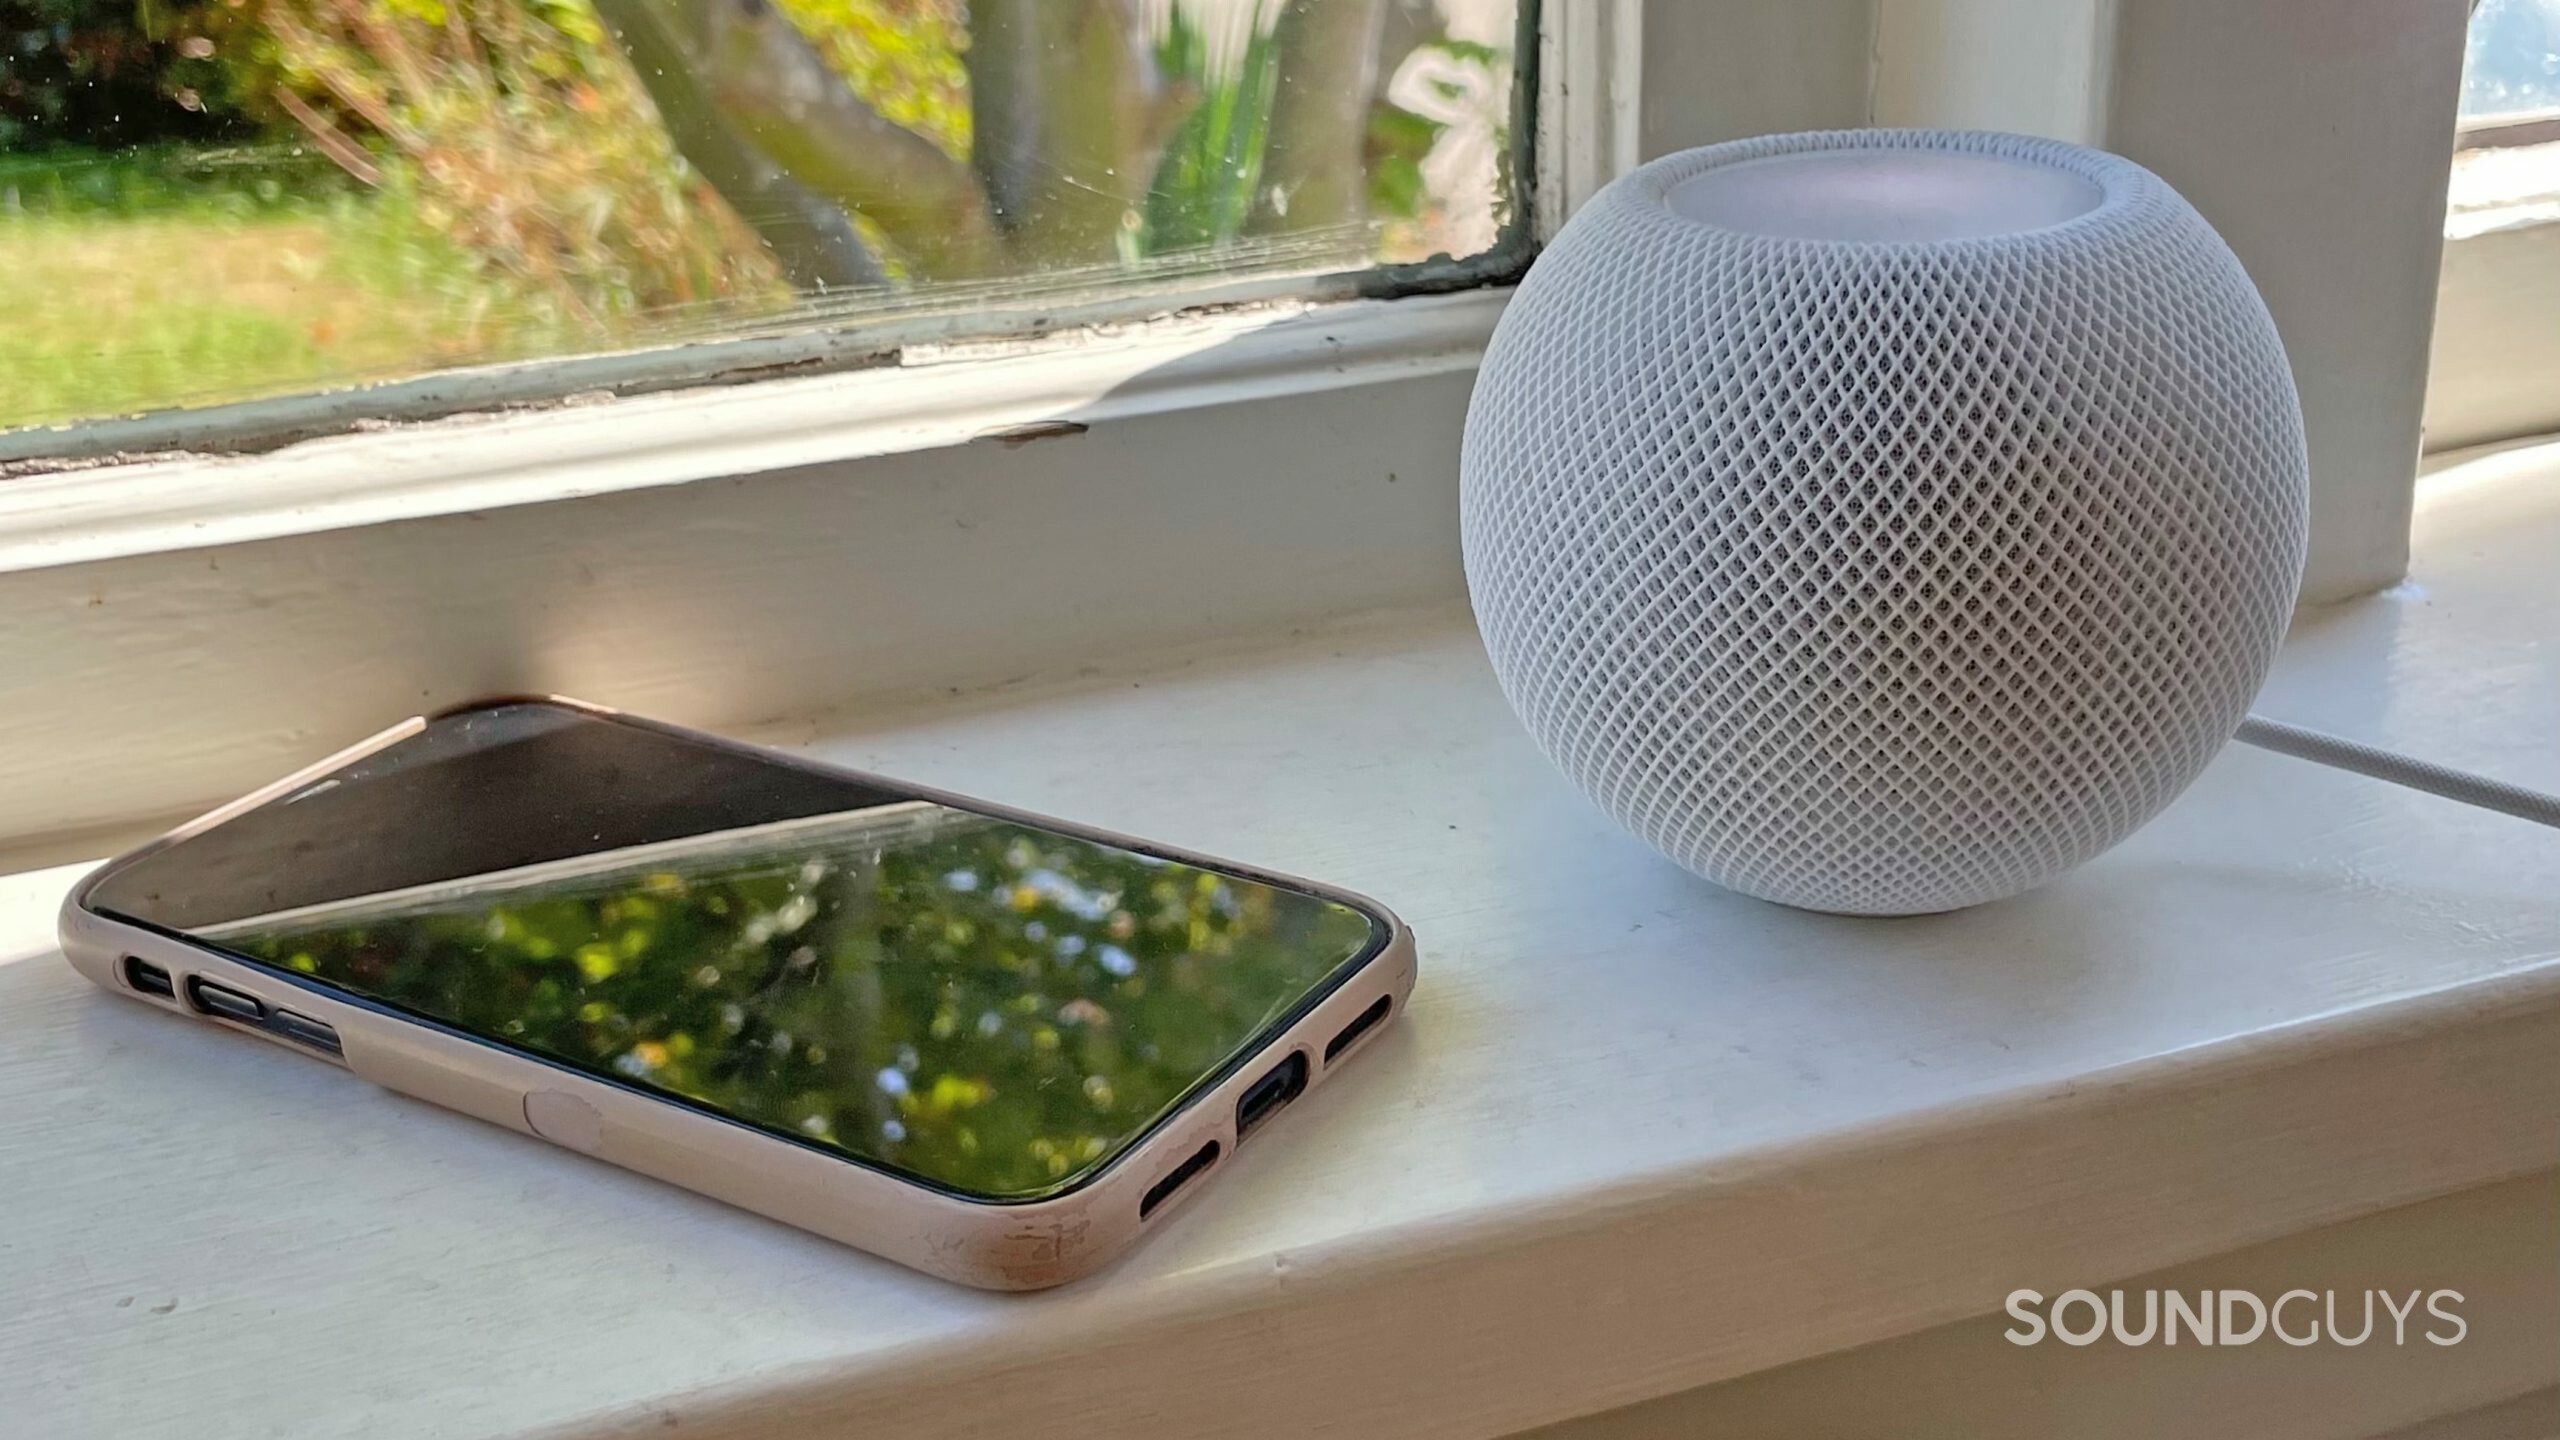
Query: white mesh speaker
(1884, 521)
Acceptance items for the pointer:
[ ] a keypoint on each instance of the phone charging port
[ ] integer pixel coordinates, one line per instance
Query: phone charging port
(1271, 1092)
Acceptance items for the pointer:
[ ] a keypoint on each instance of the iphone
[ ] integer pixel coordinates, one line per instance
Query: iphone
(989, 1045)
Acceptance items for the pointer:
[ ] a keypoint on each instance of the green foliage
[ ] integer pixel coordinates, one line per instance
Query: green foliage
(512, 127)
(901, 56)
(1204, 185)
(229, 277)
(167, 180)
(1398, 139)
(990, 1006)
(385, 187)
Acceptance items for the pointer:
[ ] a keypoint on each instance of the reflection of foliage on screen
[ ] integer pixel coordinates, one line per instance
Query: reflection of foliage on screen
(990, 1006)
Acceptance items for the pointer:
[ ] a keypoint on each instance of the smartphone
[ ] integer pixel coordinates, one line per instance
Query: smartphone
(988, 1045)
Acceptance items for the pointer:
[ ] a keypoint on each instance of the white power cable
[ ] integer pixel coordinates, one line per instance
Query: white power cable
(2459, 785)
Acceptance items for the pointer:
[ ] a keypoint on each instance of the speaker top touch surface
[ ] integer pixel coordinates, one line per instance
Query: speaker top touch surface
(1889, 196)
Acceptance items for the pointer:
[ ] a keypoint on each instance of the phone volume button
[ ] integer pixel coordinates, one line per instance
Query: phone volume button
(564, 1120)
(222, 1000)
(306, 1030)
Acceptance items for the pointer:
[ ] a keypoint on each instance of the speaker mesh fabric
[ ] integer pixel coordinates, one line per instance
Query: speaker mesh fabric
(1884, 577)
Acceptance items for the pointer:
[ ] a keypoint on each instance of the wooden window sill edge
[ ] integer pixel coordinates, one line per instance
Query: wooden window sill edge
(931, 395)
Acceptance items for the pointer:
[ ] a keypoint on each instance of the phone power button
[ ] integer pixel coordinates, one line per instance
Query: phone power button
(564, 1120)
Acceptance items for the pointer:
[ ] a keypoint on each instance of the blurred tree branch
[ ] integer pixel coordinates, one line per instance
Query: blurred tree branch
(814, 241)
(1006, 76)
(755, 109)
(778, 91)
(1070, 115)
(1312, 175)
(328, 139)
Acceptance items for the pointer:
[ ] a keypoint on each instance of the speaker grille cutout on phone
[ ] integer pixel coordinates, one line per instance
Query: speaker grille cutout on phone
(1206, 1156)
(1366, 1021)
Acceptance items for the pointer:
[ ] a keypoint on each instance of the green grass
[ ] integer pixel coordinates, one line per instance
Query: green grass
(153, 281)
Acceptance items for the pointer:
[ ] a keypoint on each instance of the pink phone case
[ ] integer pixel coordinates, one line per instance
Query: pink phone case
(1017, 1246)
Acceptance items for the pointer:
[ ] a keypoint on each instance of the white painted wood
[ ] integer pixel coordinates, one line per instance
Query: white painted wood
(2497, 340)
(2528, 1417)
(2316, 136)
(1967, 1381)
(934, 397)
(168, 680)
(1590, 121)
(1725, 69)
(2032, 67)
(2497, 343)
(1716, 1135)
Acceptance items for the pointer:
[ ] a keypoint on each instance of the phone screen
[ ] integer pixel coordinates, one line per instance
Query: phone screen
(994, 1008)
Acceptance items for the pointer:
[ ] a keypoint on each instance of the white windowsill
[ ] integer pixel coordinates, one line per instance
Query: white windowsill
(934, 395)
(1637, 1134)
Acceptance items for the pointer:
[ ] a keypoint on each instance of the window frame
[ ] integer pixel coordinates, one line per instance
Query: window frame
(1574, 61)
(2488, 347)
(2505, 132)
(484, 438)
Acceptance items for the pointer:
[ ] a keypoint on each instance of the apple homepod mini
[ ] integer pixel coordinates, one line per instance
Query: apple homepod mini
(1884, 521)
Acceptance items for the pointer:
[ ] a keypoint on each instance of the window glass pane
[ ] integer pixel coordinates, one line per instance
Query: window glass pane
(2506, 164)
(2512, 66)
(205, 201)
